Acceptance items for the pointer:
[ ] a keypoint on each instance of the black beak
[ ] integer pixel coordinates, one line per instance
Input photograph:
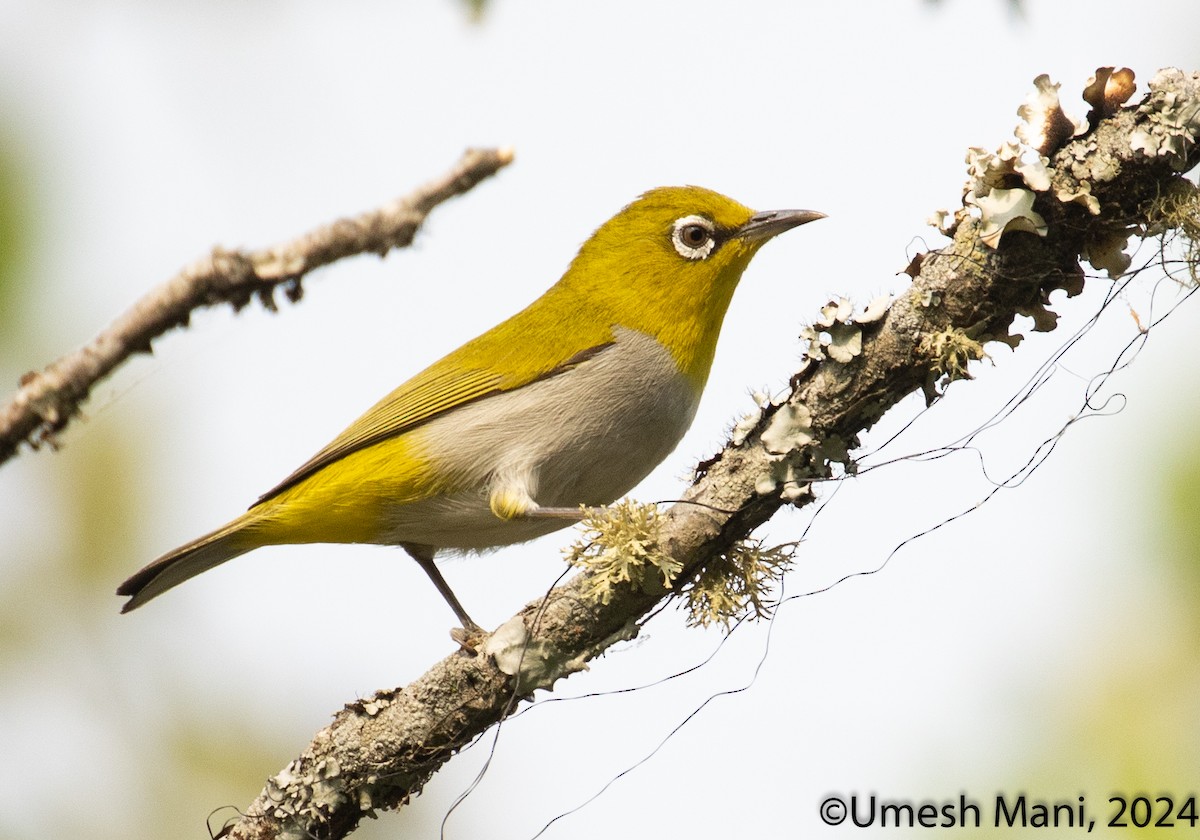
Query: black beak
(762, 226)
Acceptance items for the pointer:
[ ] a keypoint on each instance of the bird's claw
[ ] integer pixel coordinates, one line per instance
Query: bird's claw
(468, 637)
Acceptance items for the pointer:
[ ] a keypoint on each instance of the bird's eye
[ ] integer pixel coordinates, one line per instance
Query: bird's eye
(693, 237)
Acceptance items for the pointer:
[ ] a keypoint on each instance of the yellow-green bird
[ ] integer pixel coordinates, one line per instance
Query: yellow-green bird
(570, 402)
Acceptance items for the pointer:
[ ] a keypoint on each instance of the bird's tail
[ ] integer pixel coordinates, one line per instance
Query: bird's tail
(187, 561)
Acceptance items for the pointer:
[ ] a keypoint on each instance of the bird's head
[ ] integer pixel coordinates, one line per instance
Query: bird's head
(667, 265)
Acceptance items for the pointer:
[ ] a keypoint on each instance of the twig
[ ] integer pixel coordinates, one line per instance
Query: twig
(46, 401)
(378, 753)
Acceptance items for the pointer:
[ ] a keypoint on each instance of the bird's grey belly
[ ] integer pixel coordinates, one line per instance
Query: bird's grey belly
(585, 436)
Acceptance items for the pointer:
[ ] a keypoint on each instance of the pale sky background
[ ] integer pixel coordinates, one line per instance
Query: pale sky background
(986, 657)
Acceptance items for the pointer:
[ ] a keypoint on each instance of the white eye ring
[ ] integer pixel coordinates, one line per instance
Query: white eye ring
(693, 237)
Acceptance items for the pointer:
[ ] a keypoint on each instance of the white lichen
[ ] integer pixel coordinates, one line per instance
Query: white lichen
(875, 310)
(941, 220)
(837, 311)
(1044, 125)
(1005, 211)
(1081, 194)
(1010, 165)
(810, 336)
(535, 663)
(845, 342)
(747, 423)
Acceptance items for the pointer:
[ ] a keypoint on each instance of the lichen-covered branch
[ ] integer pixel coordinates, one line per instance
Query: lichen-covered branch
(1058, 202)
(46, 401)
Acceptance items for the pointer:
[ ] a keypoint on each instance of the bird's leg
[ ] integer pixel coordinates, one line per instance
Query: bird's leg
(424, 556)
(512, 501)
(575, 514)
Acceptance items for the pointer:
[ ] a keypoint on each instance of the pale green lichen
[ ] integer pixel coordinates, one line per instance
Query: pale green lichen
(1175, 216)
(834, 449)
(786, 477)
(737, 585)
(306, 798)
(791, 443)
(845, 342)
(790, 427)
(1170, 120)
(787, 433)
(951, 352)
(813, 351)
(537, 663)
(837, 334)
(749, 422)
(329, 789)
(621, 546)
(1081, 193)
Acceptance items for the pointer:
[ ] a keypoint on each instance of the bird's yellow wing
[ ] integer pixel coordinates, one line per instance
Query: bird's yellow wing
(458, 379)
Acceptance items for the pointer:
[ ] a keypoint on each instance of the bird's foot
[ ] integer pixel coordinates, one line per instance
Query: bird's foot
(469, 636)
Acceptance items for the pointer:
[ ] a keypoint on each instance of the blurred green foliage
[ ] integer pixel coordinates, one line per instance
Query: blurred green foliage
(475, 8)
(1180, 506)
(56, 613)
(15, 197)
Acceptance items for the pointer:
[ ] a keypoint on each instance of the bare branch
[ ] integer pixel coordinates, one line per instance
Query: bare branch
(46, 401)
(379, 752)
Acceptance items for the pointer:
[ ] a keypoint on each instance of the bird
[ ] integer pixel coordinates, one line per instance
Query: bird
(563, 407)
